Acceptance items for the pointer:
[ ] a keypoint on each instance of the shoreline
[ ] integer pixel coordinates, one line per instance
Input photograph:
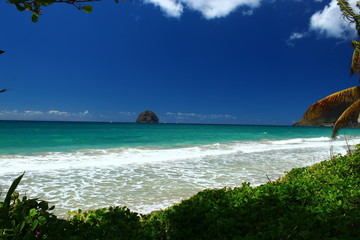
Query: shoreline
(160, 184)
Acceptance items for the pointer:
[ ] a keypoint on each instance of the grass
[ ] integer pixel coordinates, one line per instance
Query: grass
(321, 201)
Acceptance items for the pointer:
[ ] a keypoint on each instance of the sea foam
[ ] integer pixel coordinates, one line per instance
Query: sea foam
(114, 157)
(150, 178)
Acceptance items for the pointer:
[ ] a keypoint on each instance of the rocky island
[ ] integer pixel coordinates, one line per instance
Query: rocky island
(147, 117)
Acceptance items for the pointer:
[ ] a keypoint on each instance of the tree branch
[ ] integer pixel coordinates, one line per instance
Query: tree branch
(35, 6)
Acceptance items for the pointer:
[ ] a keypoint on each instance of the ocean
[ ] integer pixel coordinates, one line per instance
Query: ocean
(147, 167)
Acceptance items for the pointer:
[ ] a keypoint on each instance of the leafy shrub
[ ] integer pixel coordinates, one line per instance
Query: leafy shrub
(24, 218)
(106, 223)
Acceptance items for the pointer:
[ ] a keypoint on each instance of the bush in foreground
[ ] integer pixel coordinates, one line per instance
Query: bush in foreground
(315, 202)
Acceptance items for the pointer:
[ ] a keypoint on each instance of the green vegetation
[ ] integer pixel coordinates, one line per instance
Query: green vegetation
(316, 202)
(36, 6)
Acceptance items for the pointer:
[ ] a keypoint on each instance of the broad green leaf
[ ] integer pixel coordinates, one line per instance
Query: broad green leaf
(33, 212)
(87, 8)
(35, 223)
(42, 219)
(37, 5)
(46, 2)
(22, 225)
(19, 7)
(10, 192)
(34, 17)
(44, 205)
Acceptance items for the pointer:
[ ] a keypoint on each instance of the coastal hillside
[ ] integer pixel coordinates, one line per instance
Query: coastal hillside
(321, 201)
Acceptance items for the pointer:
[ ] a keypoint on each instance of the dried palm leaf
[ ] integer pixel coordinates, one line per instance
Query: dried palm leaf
(349, 116)
(342, 98)
(355, 61)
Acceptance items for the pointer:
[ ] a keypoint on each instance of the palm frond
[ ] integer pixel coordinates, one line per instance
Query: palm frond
(347, 11)
(355, 61)
(350, 115)
(341, 99)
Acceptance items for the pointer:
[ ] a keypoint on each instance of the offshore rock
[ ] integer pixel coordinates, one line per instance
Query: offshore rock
(147, 117)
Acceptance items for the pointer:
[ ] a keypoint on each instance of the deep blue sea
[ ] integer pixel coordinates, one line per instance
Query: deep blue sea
(151, 166)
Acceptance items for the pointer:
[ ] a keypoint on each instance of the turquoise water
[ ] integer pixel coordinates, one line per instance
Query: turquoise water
(151, 166)
(34, 137)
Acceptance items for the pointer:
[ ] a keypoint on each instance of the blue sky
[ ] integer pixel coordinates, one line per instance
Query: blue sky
(190, 61)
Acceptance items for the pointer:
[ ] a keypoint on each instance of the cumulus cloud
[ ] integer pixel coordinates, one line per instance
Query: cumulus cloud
(329, 22)
(219, 8)
(208, 8)
(170, 7)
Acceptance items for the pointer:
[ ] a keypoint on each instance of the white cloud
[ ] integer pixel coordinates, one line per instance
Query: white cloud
(208, 8)
(182, 114)
(170, 7)
(248, 12)
(55, 112)
(296, 36)
(128, 113)
(219, 8)
(6, 113)
(32, 113)
(194, 117)
(329, 22)
(53, 115)
(221, 116)
(86, 112)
